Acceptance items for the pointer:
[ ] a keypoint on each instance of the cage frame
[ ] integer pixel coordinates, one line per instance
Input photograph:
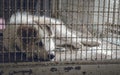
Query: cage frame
(99, 67)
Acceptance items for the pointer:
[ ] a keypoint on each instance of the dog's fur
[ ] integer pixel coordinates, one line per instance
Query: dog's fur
(36, 34)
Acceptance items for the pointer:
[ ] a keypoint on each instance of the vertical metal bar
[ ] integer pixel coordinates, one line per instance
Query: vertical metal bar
(9, 33)
(3, 48)
(1, 8)
(98, 23)
(21, 45)
(15, 37)
(77, 25)
(44, 29)
(38, 51)
(27, 9)
(50, 15)
(83, 17)
(60, 33)
(102, 26)
(45, 13)
(118, 28)
(88, 23)
(108, 16)
(37, 12)
(72, 24)
(66, 11)
(93, 11)
(55, 10)
(113, 22)
(33, 31)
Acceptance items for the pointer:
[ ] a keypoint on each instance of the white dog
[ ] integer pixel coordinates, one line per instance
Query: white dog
(36, 34)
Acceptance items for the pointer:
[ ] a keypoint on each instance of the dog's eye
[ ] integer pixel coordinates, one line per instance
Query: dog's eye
(49, 30)
(40, 44)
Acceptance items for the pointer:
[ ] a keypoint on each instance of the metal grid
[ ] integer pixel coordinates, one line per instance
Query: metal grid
(91, 28)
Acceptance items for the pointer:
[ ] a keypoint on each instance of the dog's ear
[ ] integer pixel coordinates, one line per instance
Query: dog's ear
(45, 27)
(27, 33)
(49, 29)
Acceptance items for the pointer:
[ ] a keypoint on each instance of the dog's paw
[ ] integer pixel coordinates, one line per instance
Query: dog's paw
(91, 43)
(60, 49)
(77, 45)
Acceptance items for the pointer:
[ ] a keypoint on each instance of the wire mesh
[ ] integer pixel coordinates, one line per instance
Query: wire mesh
(59, 30)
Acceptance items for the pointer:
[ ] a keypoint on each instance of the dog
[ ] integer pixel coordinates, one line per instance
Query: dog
(36, 35)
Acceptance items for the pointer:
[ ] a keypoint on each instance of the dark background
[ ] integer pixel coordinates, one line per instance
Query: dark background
(38, 7)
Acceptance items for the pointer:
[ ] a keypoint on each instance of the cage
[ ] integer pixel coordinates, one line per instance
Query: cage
(59, 37)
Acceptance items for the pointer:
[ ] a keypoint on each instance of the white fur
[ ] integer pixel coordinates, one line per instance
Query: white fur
(57, 27)
(26, 18)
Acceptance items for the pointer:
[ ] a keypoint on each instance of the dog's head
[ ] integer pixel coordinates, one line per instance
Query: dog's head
(33, 35)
